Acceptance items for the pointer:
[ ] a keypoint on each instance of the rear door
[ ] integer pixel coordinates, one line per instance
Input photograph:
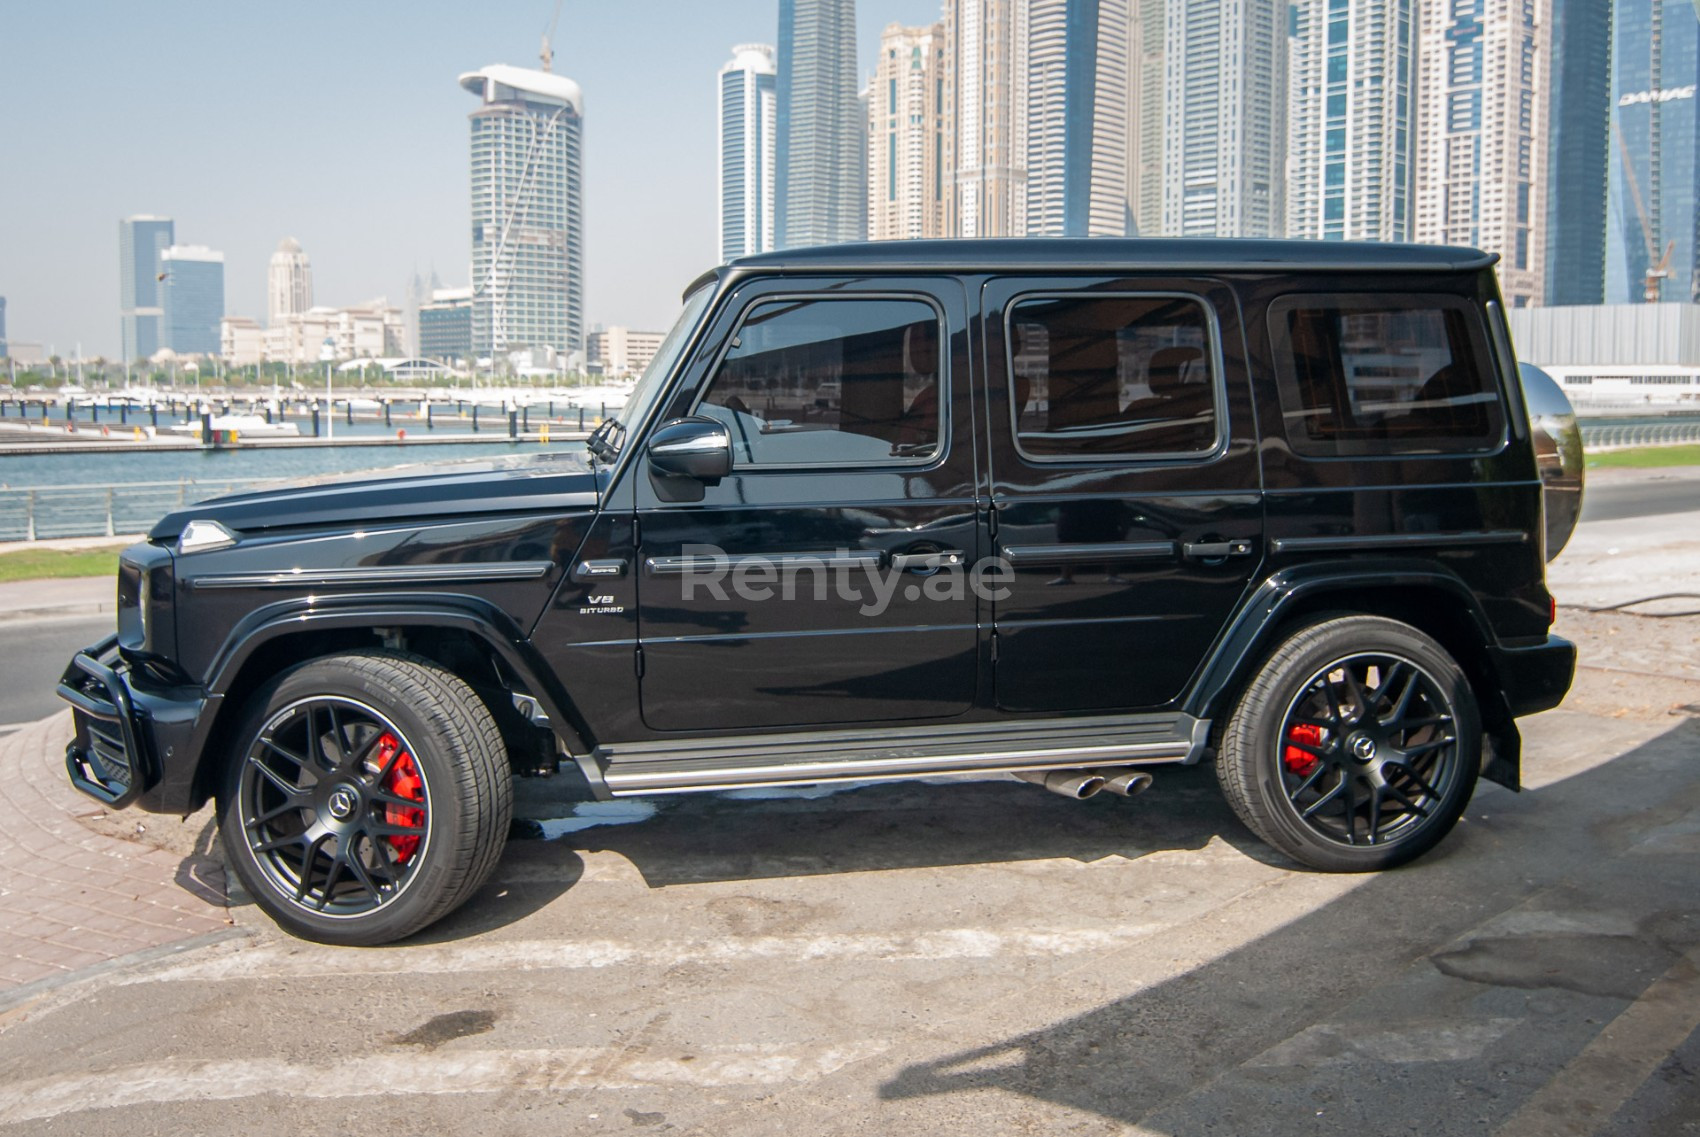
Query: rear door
(1125, 486)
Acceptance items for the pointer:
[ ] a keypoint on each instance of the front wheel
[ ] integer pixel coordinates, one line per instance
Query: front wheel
(1355, 747)
(369, 796)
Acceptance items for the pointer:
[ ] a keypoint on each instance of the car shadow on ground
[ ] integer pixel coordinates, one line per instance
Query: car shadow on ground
(816, 830)
(1383, 974)
(203, 873)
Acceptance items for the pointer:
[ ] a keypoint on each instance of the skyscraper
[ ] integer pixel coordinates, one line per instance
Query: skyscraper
(908, 182)
(141, 240)
(527, 211)
(1482, 134)
(1576, 153)
(748, 139)
(289, 282)
(192, 298)
(1078, 165)
(1225, 109)
(1352, 121)
(1654, 188)
(1145, 114)
(986, 75)
(3, 349)
(821, 155)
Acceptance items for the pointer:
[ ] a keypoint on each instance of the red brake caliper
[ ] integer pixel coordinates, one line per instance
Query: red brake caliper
(1302, 762)
(404, 782)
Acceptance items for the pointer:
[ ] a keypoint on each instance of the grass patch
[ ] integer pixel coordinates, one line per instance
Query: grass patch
(1646, 457)
(49, 564)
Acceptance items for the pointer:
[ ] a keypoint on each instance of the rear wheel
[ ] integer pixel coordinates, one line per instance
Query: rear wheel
(370, 796)
(1355, 747)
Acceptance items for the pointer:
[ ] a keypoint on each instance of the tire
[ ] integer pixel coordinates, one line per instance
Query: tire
(1337, 789)
(368, 796)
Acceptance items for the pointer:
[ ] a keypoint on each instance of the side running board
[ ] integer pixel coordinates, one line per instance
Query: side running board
(686, 765)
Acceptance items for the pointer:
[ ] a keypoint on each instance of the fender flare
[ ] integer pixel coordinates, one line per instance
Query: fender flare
(1253, 628)
(471, 614)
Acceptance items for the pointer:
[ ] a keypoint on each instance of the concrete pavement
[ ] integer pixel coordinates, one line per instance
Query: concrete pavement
(50, 599)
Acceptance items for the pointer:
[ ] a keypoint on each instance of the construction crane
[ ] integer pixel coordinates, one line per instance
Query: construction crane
(1658, 267)
(548, 52)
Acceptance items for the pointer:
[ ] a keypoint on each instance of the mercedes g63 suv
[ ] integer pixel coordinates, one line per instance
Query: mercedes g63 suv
(1059, 509)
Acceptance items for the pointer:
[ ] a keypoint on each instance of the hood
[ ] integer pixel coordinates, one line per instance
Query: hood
(510, 484)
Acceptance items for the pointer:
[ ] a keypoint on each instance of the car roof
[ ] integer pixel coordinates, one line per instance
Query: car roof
(1064, 254)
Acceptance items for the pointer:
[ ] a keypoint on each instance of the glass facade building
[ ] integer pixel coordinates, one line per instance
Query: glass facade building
(527, 211)
(1353, 123)
(192, 296)
(1078, 169)
(445, 329)
(1576, 159)
(1653, 193)
(821, 149)
(141, 240)
(747, 93)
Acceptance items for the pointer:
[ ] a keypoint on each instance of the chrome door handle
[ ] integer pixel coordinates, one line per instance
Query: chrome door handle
(928, 562)
(1215, 550)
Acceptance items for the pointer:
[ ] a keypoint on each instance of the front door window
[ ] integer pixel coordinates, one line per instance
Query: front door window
(811, 382)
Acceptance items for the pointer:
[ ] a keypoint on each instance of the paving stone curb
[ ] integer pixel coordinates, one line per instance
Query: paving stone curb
(72, 899)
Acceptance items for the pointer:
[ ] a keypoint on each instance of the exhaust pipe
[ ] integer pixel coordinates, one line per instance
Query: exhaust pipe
(1127, 783)
(1076, 784)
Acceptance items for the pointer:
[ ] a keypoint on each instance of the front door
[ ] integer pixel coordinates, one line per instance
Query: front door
(1124, 484)
(813, 586)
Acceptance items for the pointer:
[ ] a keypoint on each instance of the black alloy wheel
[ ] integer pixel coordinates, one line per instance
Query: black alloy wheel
(1355, 746)
(1369, 749)
(368, 796)
(334, 807)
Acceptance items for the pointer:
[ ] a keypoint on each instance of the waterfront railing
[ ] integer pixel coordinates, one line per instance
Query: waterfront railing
(1599, 436)
(40, 512)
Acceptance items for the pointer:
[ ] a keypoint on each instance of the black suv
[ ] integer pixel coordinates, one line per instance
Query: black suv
(1057, 509)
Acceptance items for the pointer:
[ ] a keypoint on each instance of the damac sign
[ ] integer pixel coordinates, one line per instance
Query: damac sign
(1664, 96)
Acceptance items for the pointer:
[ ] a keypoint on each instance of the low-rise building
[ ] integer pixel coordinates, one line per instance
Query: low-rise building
(1622, 356)
(366, 331)
(617, 351)
(242, 342)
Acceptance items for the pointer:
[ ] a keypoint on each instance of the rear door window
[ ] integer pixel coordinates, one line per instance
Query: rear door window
(1368, 374)
(1113, 376)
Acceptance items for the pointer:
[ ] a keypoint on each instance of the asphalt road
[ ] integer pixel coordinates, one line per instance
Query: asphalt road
(1612, 502)
(33, 655)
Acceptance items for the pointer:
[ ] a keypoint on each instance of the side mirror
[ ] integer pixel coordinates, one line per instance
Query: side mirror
(687, 454)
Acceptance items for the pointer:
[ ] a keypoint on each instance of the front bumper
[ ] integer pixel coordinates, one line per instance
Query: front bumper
(1536, 678)
(131, 742)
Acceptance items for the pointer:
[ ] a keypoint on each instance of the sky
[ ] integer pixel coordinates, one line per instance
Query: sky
(342, 124)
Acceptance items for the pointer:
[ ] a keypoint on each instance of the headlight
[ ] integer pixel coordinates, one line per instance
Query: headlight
(200, 536)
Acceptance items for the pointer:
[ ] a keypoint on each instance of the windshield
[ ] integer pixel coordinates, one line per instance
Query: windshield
(611, 435)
